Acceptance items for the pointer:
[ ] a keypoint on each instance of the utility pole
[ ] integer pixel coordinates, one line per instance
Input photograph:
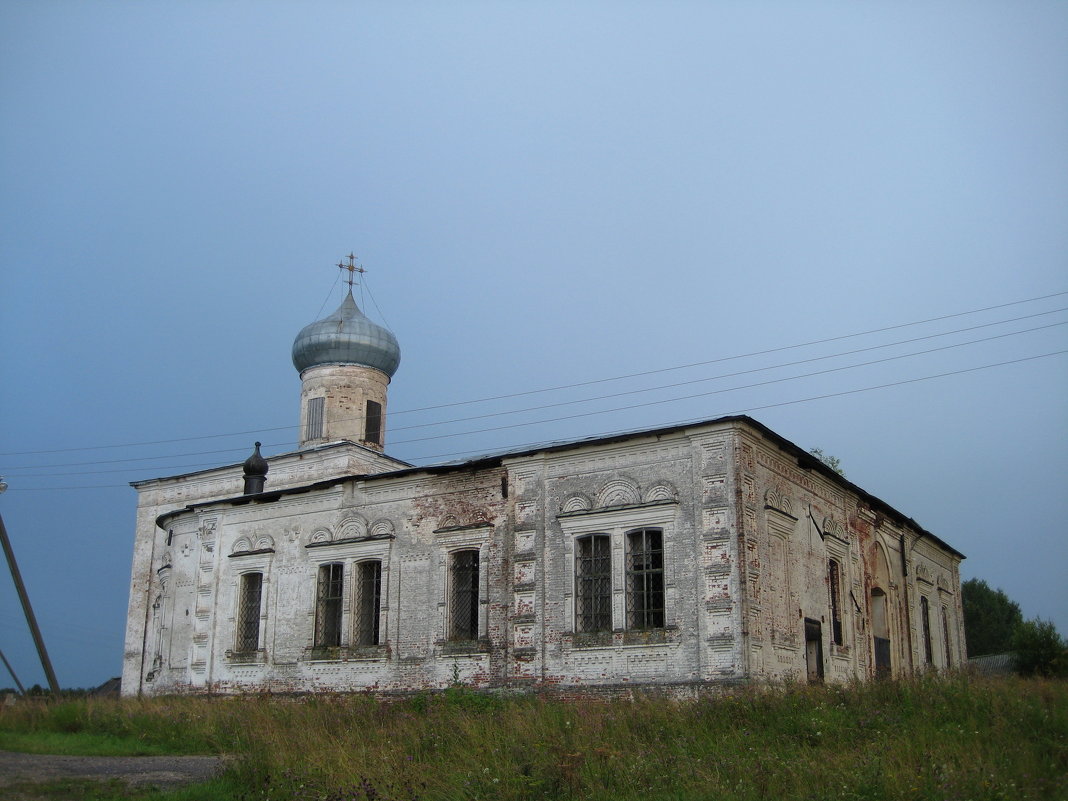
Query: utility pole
(11, 670)
(38, 640)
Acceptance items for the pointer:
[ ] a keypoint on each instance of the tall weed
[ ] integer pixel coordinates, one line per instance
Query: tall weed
(942, 738)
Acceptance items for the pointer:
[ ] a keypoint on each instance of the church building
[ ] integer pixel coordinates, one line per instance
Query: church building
(681, 557)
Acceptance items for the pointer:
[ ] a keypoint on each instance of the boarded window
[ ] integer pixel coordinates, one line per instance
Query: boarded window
(463, 596)
(593, 583)
(925, 615)
(645, 579)
(328, 605)
(373, 423)
(368, 602)
(834, 579)
(248, 614)
(313, 425)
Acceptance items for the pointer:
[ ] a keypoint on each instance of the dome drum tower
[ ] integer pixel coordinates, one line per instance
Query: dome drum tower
(345, 363)
(342, 402)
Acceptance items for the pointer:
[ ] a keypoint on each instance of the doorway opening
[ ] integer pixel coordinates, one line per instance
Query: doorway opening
(814, 650)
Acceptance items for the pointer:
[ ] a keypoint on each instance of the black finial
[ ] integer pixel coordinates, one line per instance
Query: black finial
(255, 469)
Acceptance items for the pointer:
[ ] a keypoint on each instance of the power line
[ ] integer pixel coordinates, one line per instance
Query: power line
(570, 403)
(749, 409)
(744, 372)
(746, 410)
(570, 386)
(740, 356)
(690, 397)
(242, 449)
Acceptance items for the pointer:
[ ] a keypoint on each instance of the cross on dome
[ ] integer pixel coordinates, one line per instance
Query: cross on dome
(353, 268)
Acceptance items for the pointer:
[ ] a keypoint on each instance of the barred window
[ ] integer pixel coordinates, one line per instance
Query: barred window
(368, 602)
(463, 595)
(372, 430)
(248, 613)
(645, 579)
(593, 583)
(328, 604)
(834, 579)
(313, 425)
(925, 614)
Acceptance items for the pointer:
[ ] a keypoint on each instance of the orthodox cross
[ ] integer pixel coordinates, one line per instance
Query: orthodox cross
(353, 268)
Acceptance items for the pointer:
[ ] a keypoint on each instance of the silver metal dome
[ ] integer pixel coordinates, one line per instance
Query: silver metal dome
(346, 337)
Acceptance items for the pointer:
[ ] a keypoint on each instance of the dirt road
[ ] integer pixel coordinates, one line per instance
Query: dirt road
(156, 771)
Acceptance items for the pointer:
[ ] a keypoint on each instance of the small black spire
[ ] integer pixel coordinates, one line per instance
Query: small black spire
(255, 468)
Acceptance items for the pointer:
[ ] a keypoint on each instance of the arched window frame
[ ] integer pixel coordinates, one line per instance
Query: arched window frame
(615, 524)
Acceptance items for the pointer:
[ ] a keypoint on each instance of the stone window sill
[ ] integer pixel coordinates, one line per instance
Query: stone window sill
(461, 647)
(629, 638)
(347, 653)
(247, 657)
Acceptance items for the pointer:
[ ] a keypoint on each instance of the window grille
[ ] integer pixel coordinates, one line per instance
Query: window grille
(834, 579)
(593, 583)
(925, 613)
(313, 426)
(328, 605)
(373, 423)
(463, 596)
(248, 615)
(645, 579)
(368, 602)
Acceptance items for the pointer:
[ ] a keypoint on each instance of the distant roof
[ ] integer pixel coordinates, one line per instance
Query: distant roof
(993, 664)
(805, 460)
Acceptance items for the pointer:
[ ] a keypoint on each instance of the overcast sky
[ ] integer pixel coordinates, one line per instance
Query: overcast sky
(543, 195)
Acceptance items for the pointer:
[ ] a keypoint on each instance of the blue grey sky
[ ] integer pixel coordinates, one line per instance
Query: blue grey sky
(543, 195)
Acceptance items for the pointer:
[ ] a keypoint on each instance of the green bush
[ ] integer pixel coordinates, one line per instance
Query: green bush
(1040, 650)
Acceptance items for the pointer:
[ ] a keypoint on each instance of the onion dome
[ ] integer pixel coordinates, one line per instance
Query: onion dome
(255, 465)
(255, 470)
(346, 337)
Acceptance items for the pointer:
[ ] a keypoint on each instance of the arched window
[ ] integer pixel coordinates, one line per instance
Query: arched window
(645, 579)
(925, 616)
(368, 602)
(372, 430)
(834, 580)
(248, 612)
(328, 605)
(945, 637)
(463, 595)
(593, 583)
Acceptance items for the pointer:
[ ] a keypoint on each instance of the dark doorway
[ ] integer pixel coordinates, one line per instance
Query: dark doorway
(814, 650)
(880, 625)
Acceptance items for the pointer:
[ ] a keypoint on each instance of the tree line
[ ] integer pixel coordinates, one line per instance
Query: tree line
(994, 624)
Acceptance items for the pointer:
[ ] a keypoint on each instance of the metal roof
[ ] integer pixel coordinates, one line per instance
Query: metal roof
(805, 460)
(346, 337)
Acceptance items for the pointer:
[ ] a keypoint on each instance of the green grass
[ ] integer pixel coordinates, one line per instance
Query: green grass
(79, 744)
(949, 738)
(116, 790)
